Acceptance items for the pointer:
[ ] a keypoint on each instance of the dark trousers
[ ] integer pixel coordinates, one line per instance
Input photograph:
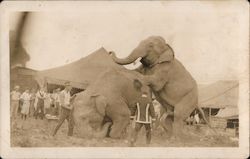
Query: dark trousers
(136, 131)
(65, 114)
(32, 108)
(40, 109)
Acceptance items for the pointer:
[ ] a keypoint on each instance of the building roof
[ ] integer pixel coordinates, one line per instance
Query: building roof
(81, 72)
(228, 113)
(220, 94)
(20, 70)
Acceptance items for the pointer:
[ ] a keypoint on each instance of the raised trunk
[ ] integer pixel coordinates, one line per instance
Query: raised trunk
(136, 53)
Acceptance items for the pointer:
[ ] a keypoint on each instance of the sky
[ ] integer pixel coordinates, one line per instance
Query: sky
(207, 37)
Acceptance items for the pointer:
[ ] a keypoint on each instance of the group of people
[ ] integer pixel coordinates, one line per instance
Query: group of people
(42, 101)
(34, 104)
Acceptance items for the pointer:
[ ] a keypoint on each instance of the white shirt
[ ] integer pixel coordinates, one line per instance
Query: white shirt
(39, 94)
(47, 100)
(25, 96)
(64, 98)
(196, 117)
(15, 95)
(55, 96)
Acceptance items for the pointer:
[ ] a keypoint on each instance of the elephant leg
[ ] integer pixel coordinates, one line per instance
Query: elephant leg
(118, 126)
(120, 122)
(166, 122)
(182, 111)
(166, 119)
(82, 127)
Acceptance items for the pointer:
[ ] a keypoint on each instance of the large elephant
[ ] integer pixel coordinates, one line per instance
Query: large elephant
(172, 85)
(107, 102)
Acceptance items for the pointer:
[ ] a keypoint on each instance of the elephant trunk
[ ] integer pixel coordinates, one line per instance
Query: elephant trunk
(136, 53)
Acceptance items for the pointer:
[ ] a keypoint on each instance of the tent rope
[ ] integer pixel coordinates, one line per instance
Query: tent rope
(224, 92)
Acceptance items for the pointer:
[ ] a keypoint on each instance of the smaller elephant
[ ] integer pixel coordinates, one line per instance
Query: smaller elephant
(104, 108)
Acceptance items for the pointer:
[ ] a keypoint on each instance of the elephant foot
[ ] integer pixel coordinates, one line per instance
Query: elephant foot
(118, 127)
(179, 131)
(183, 136)
(176, 138)
(131, 144)
(173, 138)
(104, 130)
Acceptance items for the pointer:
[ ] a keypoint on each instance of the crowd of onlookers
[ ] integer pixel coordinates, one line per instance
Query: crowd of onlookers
(40, 103)
(32, 103)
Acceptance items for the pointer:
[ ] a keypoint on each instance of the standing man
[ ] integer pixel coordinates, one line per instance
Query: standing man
(144, 114)
(39, 103)
(32, 102)
(57, 101)
(15, 97)
(66, 110)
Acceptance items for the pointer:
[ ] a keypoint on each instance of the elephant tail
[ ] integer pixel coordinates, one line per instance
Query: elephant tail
(205, 119)
(101, 103)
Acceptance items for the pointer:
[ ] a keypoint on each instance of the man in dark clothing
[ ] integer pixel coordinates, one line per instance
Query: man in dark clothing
(66, 110)
(144, 114)
(40, 96)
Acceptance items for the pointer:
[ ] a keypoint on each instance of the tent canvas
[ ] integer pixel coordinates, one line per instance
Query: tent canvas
(80, 73)
(220, 94)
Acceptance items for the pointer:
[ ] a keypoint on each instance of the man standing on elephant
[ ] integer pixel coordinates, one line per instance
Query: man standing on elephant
(144, 114)
(66, 110)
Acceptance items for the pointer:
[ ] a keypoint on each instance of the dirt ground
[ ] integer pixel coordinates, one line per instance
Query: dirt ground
(37, 133)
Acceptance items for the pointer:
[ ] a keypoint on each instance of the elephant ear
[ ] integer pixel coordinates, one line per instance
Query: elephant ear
(100, 103)
(167, 55)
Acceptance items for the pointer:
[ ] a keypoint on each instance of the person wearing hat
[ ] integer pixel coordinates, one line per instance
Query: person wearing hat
(15, 97)
(66, 110)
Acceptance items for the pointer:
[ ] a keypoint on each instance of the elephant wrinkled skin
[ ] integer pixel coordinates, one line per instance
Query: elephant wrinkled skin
(107, 102)
(172, 85)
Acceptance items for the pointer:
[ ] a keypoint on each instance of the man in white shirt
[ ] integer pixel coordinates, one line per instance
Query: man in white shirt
(15, 97)
(66, 109)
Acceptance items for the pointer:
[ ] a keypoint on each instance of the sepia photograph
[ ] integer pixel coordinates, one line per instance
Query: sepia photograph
(135, 78)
